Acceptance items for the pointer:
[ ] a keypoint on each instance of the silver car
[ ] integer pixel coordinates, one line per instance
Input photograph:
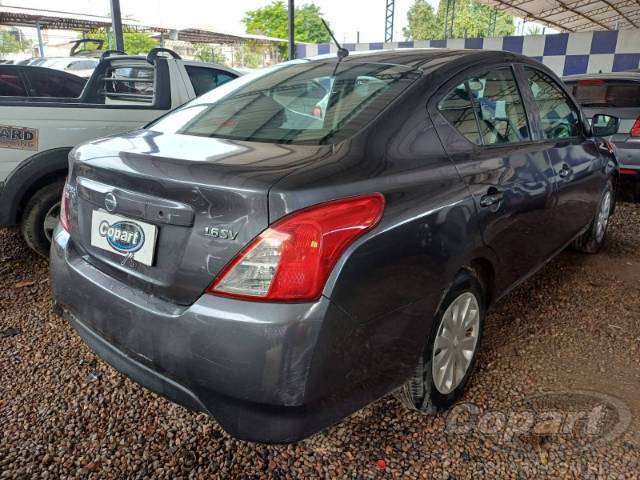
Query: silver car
(616, 94)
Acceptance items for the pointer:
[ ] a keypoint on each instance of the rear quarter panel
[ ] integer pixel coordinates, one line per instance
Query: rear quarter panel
(390, 281)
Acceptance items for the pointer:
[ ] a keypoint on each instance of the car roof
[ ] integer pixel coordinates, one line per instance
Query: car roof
(604, 76)
(417, 57)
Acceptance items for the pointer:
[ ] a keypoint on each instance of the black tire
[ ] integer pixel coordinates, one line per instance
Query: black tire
(590, 241)
(33, 217)
(420, 392)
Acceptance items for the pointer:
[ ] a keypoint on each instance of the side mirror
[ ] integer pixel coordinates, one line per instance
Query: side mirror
(604, 125)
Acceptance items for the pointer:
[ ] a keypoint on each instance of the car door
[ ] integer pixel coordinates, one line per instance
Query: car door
(574, 157)
(483, 125)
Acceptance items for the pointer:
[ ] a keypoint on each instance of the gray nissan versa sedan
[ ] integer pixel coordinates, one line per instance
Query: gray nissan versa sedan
(299, 242)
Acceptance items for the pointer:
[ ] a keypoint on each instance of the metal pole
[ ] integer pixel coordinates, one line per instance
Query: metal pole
(493, 19)
(388, 21)
(116, 21)
(291, 13)
(40, 43)
(453, 17)
(446, 21)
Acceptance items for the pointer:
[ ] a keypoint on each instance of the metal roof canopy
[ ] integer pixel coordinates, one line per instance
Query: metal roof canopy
(574, 15)
(55, 20)
(194, 35)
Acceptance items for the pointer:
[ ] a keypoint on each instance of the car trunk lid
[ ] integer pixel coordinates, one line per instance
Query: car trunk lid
(198, 201)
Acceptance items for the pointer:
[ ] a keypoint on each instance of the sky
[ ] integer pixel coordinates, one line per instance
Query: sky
(346, 17)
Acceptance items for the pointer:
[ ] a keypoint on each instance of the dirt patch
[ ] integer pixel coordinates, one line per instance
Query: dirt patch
(571, 328)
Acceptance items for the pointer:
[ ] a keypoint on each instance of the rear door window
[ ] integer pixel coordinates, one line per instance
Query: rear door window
(456, 107)
(205, 79)
(11, 84)
(487, 109)
(605, 93)
(558, 114)
(45, 82)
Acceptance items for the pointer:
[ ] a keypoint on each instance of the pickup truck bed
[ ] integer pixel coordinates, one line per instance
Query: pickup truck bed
(36, 134)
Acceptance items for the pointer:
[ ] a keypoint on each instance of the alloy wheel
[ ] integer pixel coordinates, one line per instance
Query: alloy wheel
(51, 220)
(603, 216)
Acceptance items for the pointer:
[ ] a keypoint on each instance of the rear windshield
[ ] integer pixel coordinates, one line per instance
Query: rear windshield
(307, 103)
(601, 93)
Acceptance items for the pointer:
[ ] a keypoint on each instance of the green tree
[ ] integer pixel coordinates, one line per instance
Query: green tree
(272, 21)
(470, 19)
(10, 41)
(209, 54)
(134, 42)
(248, 55)
(423, 23)
(535, 29)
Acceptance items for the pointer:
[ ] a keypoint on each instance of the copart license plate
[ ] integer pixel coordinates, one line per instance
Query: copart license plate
(124, 236)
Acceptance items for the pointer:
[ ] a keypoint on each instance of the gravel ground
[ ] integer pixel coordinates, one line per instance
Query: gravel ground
(572, 327)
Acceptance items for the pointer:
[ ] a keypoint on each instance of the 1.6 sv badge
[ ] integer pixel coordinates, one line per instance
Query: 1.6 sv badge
(221, 233)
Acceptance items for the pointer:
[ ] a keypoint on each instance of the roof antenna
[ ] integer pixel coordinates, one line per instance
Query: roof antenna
(342, 52)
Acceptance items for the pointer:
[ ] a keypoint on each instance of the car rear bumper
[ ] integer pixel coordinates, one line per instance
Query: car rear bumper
(257, 368)
(628, 153)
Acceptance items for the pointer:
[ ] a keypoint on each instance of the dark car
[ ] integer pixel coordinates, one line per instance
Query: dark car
(27, 81)
(618, 95)
(280, 266)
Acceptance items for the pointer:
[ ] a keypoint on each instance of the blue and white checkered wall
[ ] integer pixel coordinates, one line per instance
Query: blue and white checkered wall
(564, 53)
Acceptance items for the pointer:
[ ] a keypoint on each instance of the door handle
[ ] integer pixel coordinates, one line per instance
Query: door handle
(565, 171)
(492, 197)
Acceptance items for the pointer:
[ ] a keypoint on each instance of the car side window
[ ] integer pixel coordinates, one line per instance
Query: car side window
(204, 79)
(11, 84)
(48, 83)
(456, 107)
(559, 116)
(488, 109)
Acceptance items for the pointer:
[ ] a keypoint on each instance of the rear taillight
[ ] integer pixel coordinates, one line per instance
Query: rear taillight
(64, 210)
(635, 130)
(291, 260)
(628, 171)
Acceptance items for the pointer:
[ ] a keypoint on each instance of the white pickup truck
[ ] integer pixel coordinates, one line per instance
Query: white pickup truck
(37, 133)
